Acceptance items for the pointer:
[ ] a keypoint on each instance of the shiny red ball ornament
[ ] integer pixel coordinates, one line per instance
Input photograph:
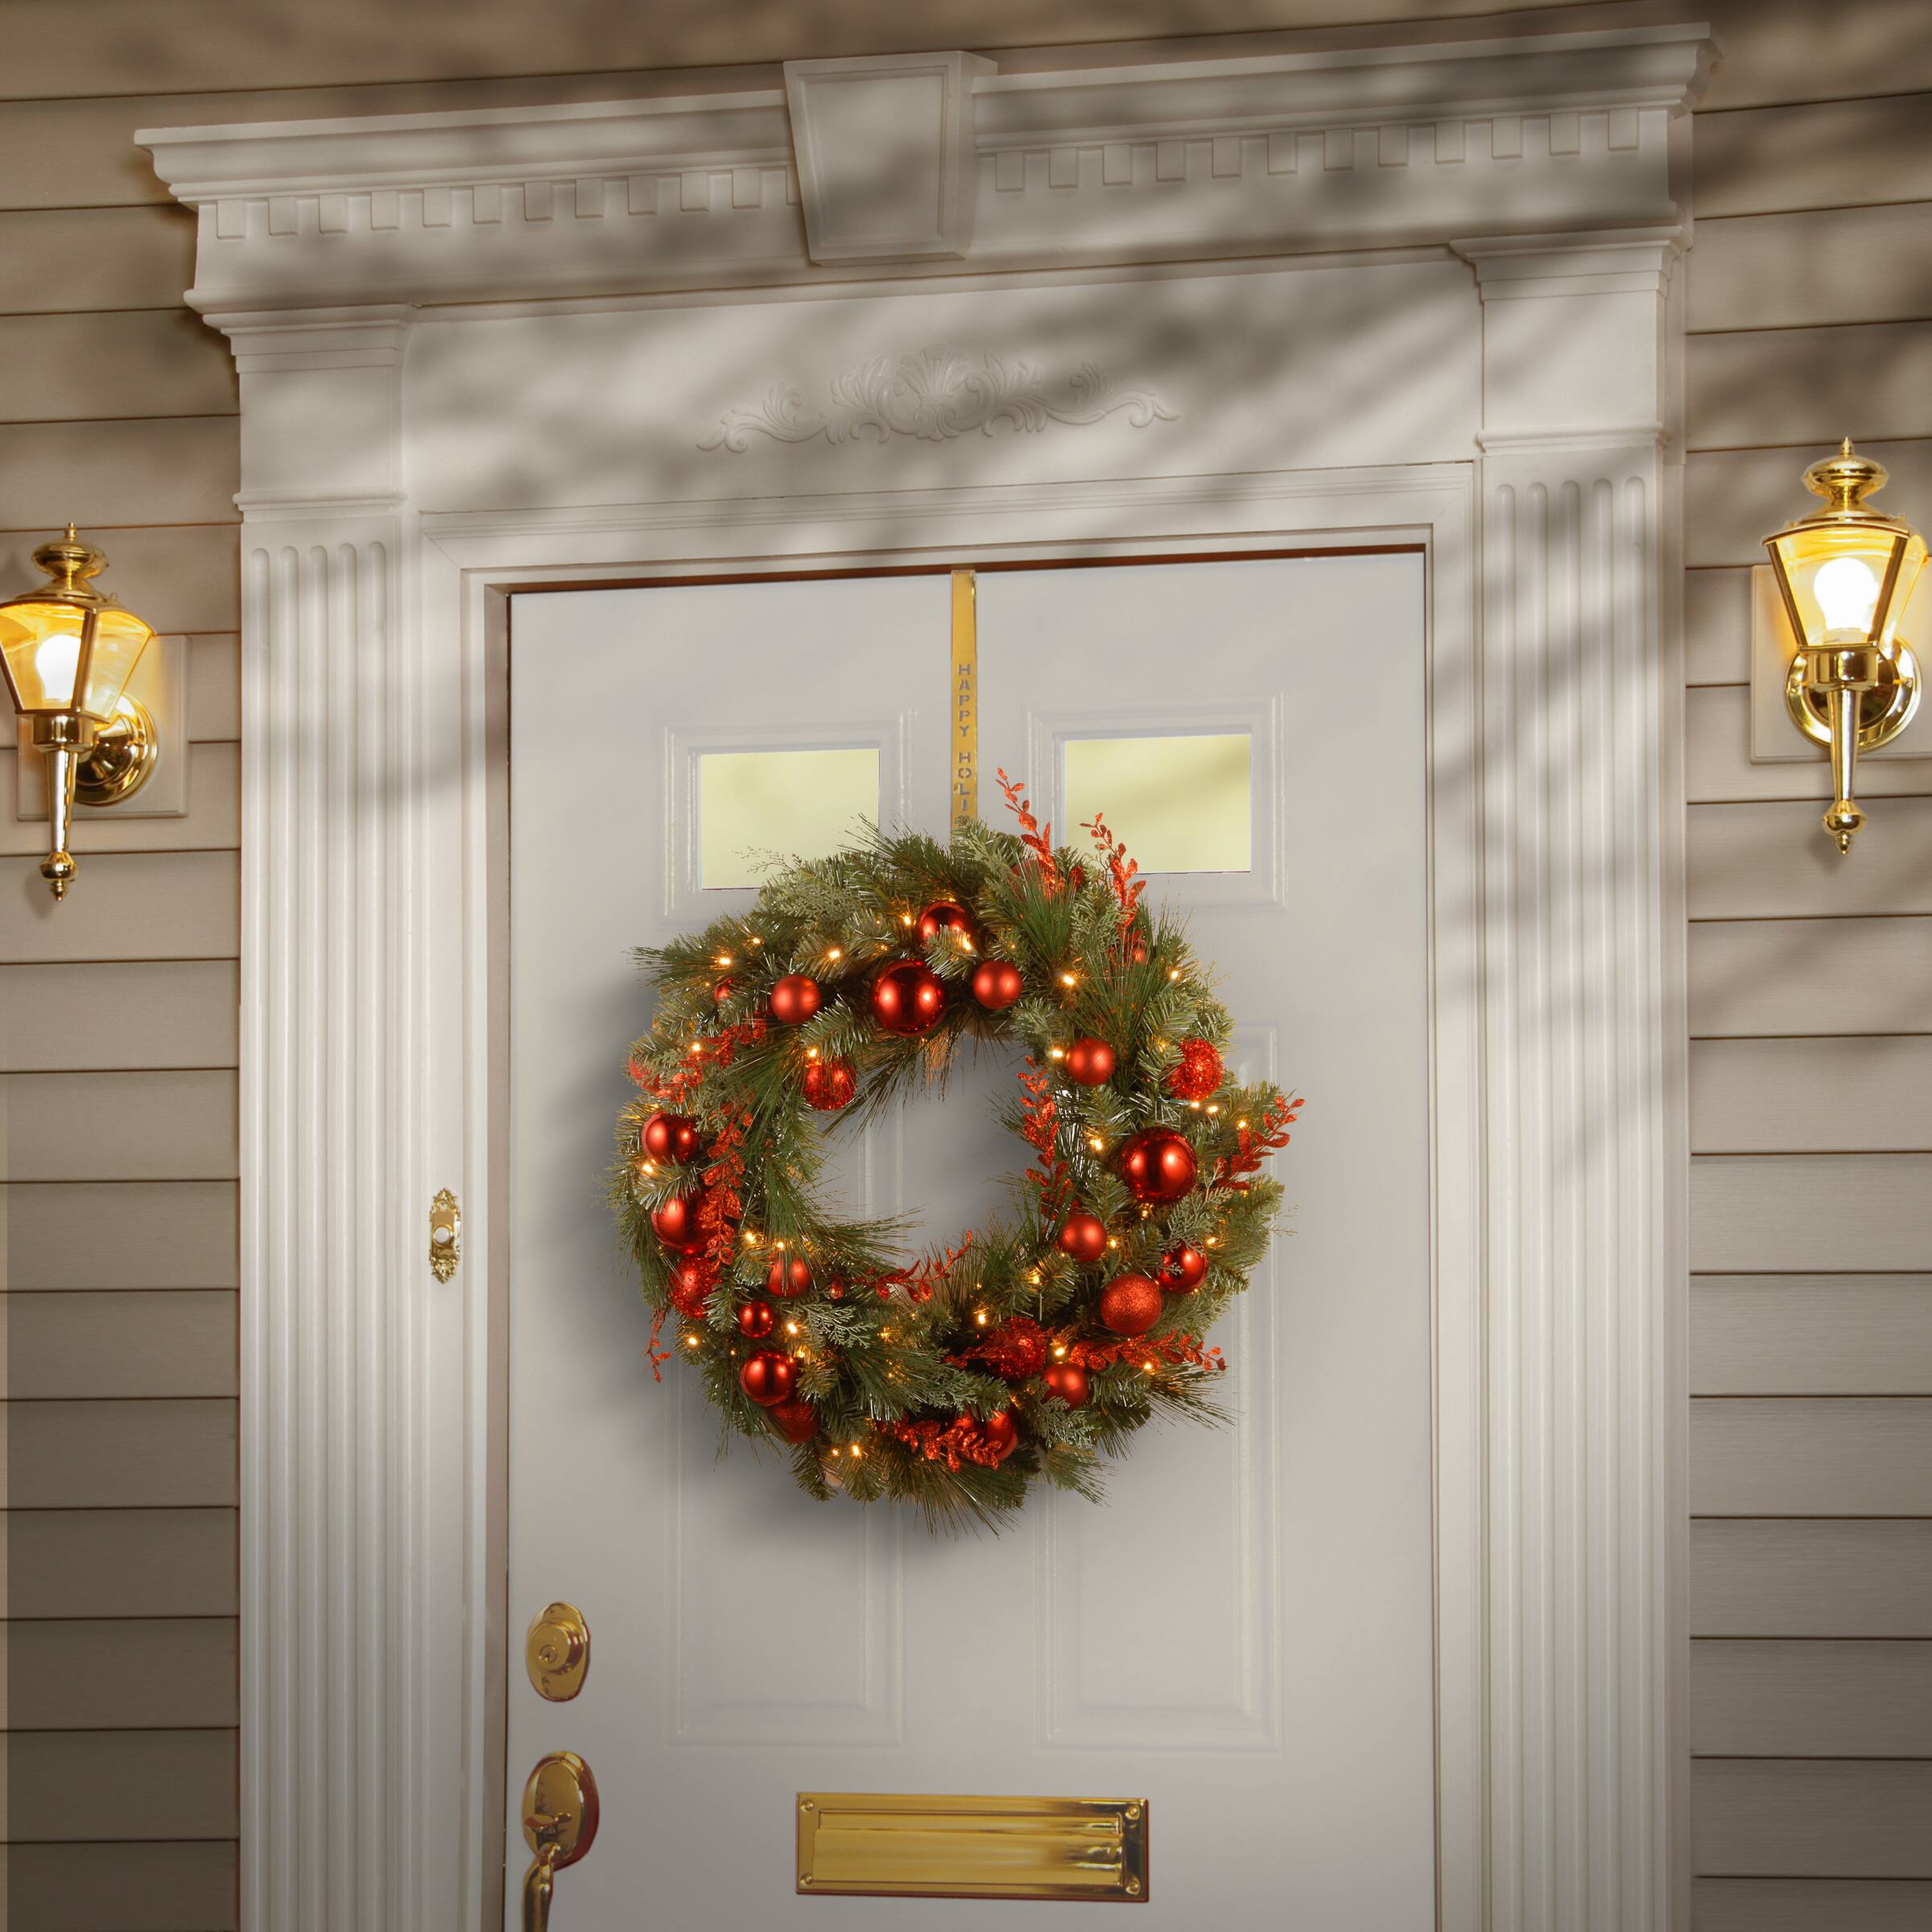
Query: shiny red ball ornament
(1198, 1074)
(720, 993)
(1091, 1062)
(1068, 1382)
(1136, 948)
(794, 999)
(787, 1276)
(1130, 1304)
(1083, 1236)
(1001, 1433)
(1183, 1268)
(674, 1222)
(996, 983)
(908, 998)
(795, 1419)
(690, 1283)
(768, 1377)
(756, 1320)
(946, 916)
(829, 1084)
(668, 1136)
(1157, 1165)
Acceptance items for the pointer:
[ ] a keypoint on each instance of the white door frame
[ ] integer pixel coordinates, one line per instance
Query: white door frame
(362, 270)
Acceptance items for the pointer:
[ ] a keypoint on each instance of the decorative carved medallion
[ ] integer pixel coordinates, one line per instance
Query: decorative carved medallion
(935, 394)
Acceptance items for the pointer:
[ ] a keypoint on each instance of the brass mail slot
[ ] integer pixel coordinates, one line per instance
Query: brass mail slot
(921, 1846)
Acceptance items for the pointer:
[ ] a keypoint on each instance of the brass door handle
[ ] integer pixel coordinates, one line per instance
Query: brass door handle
(559, 1825)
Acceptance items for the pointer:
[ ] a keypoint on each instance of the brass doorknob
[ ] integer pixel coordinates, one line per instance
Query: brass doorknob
(559, 1825)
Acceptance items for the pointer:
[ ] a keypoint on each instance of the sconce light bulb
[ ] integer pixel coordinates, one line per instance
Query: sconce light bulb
(1847, 593)
(57, 661)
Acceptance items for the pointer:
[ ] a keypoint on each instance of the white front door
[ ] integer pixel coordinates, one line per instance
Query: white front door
(1242, 1632)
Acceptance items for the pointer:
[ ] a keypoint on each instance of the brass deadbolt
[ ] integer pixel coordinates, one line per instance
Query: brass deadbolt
(556, 1653)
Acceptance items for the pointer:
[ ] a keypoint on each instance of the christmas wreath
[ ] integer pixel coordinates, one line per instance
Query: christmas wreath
(1030, 1349)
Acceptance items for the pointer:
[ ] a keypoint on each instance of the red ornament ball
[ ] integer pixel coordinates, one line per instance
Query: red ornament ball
(1157, 1165)
(1136, 948)
(996, 983)
(1091, 1062)
(1083, 1236)
(720, 993)
(674, 1222)
(787, 1276)
(755, 1321)
(946, 916)
(1001, 1433)
(829, 1084)
(794, 999)
(1130, 1304)
(768, 1377)
(1016, 1351)
(690, 1283)
(668, 1136)
(1198, 1074)
(908, 998)
(795, 1419)
(1183, 1268)
(1068, 1382)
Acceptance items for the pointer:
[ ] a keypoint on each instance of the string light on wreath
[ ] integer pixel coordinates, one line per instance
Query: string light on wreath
(1030, 1351)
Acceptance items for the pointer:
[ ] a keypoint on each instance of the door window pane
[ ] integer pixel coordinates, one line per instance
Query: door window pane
(801, 804)
(1179, 804)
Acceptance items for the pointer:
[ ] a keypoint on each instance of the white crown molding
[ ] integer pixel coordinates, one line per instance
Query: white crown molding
(1071, 170)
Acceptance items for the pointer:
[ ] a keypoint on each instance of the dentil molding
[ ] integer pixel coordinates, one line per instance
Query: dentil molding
(921, 164)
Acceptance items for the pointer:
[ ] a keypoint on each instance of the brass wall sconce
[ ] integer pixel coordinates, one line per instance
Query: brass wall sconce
(1845, 574)
(68, 651)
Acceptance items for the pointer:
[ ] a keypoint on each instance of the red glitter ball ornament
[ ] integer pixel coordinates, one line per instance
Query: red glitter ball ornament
(1068, 1382)
(947, 915)
(755, 1321)
(787, 1277)
(794, 999)
(1091, 1062)
(1183, 1268)
(768, 1377)
(674, 1222)
(908, 998)
(996, 983)
(829, 1084)
(1083, 1236)
(690, 1283)
(1198, 1074)
(1157, 1165)
(668, 1136)
(1130, 1304)
(1016, 1351)
(795, 1419)
(1001, 1434)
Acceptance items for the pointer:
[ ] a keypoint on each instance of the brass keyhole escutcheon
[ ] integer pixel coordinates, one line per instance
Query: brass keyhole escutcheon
(556, 1653)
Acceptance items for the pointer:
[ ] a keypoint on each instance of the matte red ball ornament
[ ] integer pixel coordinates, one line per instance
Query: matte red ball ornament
(946, 916)
(690, 1283)
(1157, 1165)
(674, 1222)
(1183, 1268)
(1130, 1304)
(668, 1136)
(1068, 1382)
(1198, 1074)
(996, 983)
(1091, 1062)
(755, 1321)
(908, 998)
(829, 1084)
(794, 999)
(795, 1419)
(1001, 1433)
(768, 1377)
(787, 1276)
(1083, 1236)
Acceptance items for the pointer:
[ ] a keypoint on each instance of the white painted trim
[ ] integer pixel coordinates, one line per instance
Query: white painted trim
(371, 1596)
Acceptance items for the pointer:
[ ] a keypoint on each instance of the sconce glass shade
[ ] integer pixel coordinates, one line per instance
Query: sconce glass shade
(1846, 573)
(67, 649)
